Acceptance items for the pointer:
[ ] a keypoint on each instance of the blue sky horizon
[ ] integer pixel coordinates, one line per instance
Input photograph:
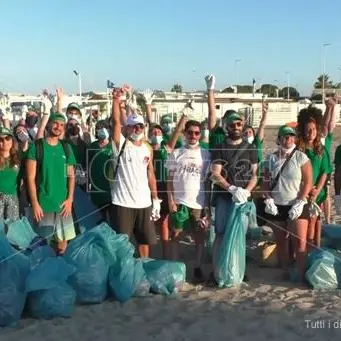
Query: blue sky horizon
(155, 44)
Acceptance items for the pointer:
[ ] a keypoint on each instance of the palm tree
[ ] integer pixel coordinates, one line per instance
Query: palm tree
(176, 88)
(327, 82)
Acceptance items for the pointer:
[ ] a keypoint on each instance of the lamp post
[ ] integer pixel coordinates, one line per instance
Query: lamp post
(79, 76)
(236, 62)
(288, 84)
(276, 89)
(324, 68)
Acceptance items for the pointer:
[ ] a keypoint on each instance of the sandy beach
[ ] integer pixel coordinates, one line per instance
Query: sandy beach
(264, 308)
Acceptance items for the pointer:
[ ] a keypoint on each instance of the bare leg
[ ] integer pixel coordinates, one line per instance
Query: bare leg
(175, 255)
(282, 242)
(317, 237)
(164, 227)
(311, 233)
(327, 206)
(300, 242)
(61, 246)
(199, 237)
(143, 251)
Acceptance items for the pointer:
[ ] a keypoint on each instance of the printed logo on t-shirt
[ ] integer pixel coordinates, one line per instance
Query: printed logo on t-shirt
(191, 169)
(146, 160)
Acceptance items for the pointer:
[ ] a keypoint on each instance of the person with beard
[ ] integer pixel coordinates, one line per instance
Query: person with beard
(99, 155)
(188, 204)
(234, 174)
(134, 192)
(31, 122)
(51, 183)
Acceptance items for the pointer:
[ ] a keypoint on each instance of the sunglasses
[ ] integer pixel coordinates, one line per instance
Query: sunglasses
(193, 133)
(235, 125)
(6, 138)
(138, 126)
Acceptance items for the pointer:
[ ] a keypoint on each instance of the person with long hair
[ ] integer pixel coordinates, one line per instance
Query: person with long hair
(309, 141)
(9, 176)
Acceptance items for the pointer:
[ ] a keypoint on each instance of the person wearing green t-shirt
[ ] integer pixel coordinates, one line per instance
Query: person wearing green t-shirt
(51, 184)
(99, 155)
(309, 141)
(9, 173)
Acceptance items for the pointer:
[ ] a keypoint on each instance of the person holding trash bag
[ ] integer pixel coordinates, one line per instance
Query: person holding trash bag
(287, 183)
(234, 173)
(134, 192)
(51, 182)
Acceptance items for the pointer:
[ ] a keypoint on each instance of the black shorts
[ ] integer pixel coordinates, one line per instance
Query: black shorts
(164, 204)
(134, 221)
(283, 213)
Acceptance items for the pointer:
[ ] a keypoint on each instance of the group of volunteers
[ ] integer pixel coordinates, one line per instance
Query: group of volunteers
(142, 174)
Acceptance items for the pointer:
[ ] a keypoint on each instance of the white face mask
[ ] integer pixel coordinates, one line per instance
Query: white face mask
(191, 146)
(323, 141)
(249, 139)
(155, 140)
(136, 137)
(288, 150)
(205, 133)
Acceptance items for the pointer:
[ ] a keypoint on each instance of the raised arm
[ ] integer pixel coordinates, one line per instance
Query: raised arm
(47, 106)
(116, 111)
(262, 124)
(212, 119)
(329, 117)
(148, 97)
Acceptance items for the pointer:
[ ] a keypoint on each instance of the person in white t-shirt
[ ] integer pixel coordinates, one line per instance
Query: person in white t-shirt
(134, 190)
(188, 202)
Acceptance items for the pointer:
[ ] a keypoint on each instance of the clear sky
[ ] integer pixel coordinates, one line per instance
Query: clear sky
(149, 43)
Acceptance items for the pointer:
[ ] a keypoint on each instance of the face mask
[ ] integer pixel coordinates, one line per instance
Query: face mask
(205, 133)
(31, 121)
(23, 136)
(191, 146)
(136, 137)
(102, 134)
(288, 150)
(73, 130)
(167, 128)
(73, 117)
(249, 139)
(33, 132)
(156, 140)
(323, 141)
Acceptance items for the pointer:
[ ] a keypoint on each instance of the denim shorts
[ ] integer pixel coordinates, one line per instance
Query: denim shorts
(223, 208)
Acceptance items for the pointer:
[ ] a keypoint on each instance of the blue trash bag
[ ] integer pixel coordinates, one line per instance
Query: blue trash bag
(165, 277)
(254, 232)
(14, 269)
(20, 233)
(324, 270)
(49, 295)
(128, 278)
(38, 255)
(230, 268)
(92, 253)
(331, 234)
(86, 213)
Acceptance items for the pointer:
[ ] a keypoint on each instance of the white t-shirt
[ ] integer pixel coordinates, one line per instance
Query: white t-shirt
(190, 169)
(131, 188)
(289, 183)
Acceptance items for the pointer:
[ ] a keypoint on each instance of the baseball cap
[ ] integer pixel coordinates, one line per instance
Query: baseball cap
(57, 117)
(73, 106)
(228, 113)
(285, 130)
(134, 119)
(5, 131)
(232, 117)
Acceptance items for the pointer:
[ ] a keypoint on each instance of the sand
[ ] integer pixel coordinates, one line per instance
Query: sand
(264, 308)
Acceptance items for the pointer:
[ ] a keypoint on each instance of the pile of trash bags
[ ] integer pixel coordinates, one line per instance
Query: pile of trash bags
(97, 265)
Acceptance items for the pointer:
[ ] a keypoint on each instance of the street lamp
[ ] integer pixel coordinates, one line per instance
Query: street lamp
(236, 62)
(324, 68)
(288, 84)
(79, 76)
(276, 87)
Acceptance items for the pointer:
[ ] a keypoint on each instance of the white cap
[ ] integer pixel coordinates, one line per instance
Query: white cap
(134, 119)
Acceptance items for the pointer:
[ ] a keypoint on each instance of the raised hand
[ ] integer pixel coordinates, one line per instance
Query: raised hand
(210, 82)
(148, 96)
(189, 107)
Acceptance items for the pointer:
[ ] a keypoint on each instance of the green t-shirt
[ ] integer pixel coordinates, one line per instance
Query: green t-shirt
(99, 173)
(217, 136)
(320, 165)
(9, 180)
(204, 145)
(160, 158)
(167, 138)
(52, 189)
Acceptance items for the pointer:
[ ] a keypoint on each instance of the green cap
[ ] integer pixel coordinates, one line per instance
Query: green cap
(285, 130)
(57, 117)
(5, 131)
(233, 117)
(73, 106)
(228, 113)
